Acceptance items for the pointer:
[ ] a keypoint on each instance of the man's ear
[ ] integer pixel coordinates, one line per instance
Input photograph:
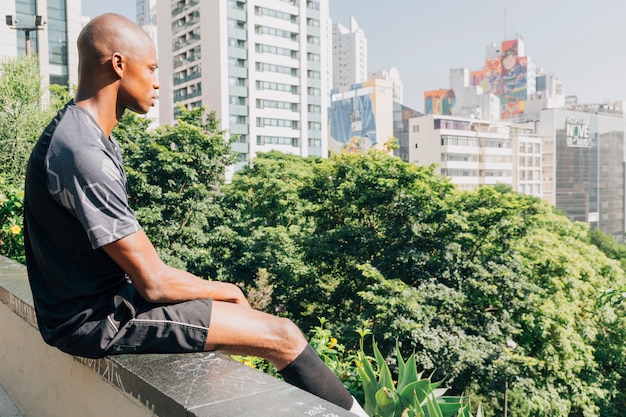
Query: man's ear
(118, 63)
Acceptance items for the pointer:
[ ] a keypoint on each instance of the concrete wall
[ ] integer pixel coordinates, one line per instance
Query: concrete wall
(44, 382)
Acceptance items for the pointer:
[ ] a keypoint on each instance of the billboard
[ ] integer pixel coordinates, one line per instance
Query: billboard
(506, 77)
(352, 120)
(577, 132)
(439, 102)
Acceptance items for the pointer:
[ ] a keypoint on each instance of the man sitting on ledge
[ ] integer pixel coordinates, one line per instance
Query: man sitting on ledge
(98, 284)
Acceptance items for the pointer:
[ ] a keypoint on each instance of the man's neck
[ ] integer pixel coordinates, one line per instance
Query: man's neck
(105, 114)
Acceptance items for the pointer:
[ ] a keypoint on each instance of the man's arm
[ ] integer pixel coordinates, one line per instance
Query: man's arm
(158, 282)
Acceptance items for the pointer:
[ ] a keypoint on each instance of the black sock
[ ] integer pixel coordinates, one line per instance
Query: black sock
(311, 374)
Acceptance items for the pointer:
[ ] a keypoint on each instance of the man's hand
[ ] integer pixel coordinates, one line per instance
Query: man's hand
(158, 282)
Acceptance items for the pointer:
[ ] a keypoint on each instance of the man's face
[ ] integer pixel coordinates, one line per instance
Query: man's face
(139, 84)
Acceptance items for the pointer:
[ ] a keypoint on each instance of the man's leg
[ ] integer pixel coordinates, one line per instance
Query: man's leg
(240, 330)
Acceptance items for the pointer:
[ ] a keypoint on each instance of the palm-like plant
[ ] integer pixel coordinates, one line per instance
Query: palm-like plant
(409, 396)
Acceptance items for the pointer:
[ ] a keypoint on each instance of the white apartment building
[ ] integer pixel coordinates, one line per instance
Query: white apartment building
(394, 76)
(528, 161)
(258, 64)
(146, 12)
(476, 152)
(349, 55)
(54, 41)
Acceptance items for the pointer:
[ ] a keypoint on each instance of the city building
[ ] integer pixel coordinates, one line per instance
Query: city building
(258, 64)
(401, 118)
(473, 152)
(394, 77)
(349, 55)
(154, 113)
(361, 116)
(46, 28)
(527, 153)
(509, 86)
(146, 12)
(583, 163)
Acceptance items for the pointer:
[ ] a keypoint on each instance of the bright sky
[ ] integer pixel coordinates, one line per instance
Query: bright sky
(582, 42)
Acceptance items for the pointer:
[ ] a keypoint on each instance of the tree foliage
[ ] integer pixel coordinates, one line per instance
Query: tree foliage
(22, 117)
(456, 277)
(175, 173)
(494, 291)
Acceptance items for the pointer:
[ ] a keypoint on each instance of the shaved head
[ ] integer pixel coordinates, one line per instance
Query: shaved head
(117, 63)
(106, 34)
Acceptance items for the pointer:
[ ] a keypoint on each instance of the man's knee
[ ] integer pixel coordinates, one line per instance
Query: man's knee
(291, 336)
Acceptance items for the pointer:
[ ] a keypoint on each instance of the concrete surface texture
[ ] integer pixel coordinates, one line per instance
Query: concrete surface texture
(7, 406)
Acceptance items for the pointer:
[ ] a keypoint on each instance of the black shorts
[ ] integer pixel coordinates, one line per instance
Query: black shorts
(137, 326)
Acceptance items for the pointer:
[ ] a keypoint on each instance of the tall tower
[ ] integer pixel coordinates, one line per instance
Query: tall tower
(259, 64)
(349, 55)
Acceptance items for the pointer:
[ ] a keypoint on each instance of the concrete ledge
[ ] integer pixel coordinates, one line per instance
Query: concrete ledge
(44, 381)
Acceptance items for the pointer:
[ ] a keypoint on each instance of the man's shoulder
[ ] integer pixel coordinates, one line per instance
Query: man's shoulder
(76, 133)
(75, 121)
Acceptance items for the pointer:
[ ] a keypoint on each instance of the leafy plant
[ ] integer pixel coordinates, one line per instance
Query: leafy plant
(336, 357)
(11, 232)
(409, 396)
(21, 116)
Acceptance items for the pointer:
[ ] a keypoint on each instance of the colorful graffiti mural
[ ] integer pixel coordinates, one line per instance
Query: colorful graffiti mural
(489, 77)
(506, 77)
(352, 123)
(439, 101)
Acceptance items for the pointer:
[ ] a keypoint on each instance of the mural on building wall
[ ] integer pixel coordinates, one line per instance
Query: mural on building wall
(352, 122)
(505, 77)
(439, 102)
(489, 77)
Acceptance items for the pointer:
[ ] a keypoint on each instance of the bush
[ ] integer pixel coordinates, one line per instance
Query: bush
(11, 220)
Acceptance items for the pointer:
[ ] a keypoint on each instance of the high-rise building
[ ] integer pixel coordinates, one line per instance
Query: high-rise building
(259, 64)
(583, 163)
(146, 12)
(349, 55)
(52, 38)
(394, 76)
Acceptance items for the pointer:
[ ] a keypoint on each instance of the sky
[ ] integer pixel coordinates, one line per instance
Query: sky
(581, 42)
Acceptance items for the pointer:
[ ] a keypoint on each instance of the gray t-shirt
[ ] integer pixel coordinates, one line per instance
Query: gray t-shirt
(75, 202)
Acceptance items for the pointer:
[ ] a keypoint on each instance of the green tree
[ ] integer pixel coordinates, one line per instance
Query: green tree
(264, 222)
(607, 244)
(22, 117)
(456, 277)
(174, 176)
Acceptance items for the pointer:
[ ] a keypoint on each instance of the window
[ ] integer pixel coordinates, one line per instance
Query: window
(274, 104)
(447, 140)
(264, 11)
(277, 140)
(262, 122)
(268, 85)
